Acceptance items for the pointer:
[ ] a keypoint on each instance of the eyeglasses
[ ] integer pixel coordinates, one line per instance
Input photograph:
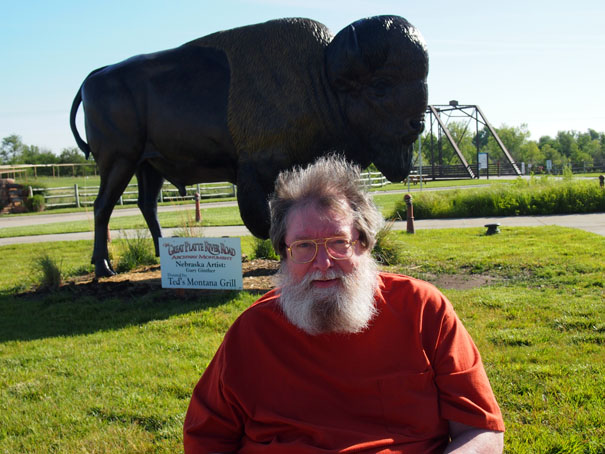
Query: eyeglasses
(305, 251)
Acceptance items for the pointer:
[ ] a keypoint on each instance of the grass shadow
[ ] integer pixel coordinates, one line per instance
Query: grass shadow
(85, 308)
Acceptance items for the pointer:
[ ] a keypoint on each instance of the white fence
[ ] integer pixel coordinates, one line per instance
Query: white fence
(54, 170)
(79, 196)
(373, 179)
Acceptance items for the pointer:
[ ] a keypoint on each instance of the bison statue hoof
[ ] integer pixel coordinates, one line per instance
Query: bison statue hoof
(104, 269)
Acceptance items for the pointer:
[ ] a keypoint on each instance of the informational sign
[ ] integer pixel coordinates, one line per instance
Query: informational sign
(201, 263)
(548, 165)
(482, 160)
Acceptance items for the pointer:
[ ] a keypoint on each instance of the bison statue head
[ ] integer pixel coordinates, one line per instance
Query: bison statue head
(378, 67)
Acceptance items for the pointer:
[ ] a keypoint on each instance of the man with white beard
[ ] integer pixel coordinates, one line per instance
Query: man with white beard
(341, 358)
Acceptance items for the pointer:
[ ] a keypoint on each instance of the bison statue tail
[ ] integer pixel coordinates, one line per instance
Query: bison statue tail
(72, 123)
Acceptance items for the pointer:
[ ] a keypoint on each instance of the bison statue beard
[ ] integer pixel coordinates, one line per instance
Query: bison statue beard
(348, 308)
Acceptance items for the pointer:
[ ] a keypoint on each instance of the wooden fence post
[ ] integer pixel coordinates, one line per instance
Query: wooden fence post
(198, 214)
(77, 195)
(410, 213)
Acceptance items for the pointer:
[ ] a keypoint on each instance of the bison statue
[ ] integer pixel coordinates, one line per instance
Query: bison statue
(243, 104)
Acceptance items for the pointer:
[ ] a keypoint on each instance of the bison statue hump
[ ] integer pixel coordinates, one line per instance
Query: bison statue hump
(241, 105)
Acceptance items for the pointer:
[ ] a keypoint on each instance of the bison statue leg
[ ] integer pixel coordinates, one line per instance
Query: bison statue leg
(150, 183)
(114, 179)
(252, 199)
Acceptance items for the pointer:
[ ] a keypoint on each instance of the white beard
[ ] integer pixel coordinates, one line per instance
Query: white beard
(346, 308)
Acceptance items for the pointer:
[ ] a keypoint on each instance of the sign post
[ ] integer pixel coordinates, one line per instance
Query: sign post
(201, 263)
(483, 163)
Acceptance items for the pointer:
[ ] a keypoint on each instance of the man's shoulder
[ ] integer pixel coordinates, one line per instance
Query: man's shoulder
(389, 282)
(270, 296)
(267, 304)
(261, 316)
(408, 293)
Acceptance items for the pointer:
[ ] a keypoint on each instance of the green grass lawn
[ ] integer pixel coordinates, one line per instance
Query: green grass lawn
(63, 181)
(171, 219)
(113, 372)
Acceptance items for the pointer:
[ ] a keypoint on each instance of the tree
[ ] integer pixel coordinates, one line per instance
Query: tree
(590, 143)
(596, 148)
(566, 143)
(546, 140)
(464, 141)
(552, 154)
(72, 156)
(12, 148)
(481, 138)
(32, 154)
(446, 155)
(594, 135)
(531, 154)
(513, 138)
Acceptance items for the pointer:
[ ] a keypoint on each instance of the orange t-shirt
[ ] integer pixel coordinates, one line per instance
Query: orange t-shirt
(272, 388)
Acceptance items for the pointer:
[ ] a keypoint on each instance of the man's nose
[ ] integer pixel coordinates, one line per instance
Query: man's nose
(322, 260)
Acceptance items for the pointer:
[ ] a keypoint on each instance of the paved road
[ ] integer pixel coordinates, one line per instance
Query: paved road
(20, 221)
(594, 222)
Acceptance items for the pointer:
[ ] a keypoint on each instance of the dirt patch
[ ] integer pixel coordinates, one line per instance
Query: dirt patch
(257, 278)
(461, 281)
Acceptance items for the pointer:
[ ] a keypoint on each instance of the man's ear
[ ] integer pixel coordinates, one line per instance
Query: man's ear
(362, 244)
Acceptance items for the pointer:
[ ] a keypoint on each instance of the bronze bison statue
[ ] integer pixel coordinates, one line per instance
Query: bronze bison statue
(241, 105)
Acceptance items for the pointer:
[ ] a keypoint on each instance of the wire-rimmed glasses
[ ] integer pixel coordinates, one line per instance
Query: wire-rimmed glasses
(305, 251)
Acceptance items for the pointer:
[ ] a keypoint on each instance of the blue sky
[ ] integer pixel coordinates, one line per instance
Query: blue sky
(522, 61)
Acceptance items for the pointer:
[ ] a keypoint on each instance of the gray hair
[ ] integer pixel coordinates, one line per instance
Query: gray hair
(327, 183)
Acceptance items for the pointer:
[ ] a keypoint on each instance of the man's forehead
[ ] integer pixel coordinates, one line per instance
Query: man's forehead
(311, 221)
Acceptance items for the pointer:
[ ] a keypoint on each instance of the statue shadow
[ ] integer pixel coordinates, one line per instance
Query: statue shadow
(80, 308)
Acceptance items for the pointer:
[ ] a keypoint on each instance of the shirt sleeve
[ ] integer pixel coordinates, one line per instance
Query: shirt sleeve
(213, 423)
(465, 394)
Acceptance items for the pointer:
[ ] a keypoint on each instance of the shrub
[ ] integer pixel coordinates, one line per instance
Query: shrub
(81, 270)
(136, 250)
(567, 173)
(532, 197)
(35, 203)
(263, 249)
(49, 272)
(388, 250)
(189, 228)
